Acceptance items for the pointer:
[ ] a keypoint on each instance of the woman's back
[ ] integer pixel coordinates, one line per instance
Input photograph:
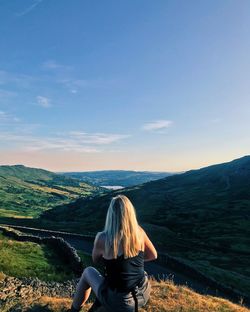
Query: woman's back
(124, 274)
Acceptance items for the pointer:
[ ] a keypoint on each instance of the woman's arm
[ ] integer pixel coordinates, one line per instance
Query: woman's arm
(98, 248)
(150, 252)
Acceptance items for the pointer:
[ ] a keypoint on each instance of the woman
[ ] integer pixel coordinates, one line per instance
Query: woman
(123, 247)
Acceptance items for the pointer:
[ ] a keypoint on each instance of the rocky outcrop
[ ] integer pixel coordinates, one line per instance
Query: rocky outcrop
(33, 287)
(24, 289)
(15, 291)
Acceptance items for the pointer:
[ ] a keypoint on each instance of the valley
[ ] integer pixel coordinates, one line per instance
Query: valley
(200, 217)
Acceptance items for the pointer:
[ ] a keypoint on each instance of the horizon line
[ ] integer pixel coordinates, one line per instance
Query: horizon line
(152, 171)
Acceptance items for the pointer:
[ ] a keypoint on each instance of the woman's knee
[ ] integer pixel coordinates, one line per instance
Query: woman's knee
(89, 273)
(93, 278)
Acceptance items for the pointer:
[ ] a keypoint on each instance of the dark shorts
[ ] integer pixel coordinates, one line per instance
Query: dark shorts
(116, 301)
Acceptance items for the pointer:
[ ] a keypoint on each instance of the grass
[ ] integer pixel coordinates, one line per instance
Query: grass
(87, 261)
(165, 297)
(12, 214)
(25, 259)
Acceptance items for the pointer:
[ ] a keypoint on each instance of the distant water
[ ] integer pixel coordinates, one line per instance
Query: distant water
(113, 187)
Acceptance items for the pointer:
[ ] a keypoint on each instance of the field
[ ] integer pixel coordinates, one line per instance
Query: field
(25, 259)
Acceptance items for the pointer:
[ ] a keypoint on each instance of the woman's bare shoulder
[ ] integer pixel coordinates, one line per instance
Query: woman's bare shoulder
(149, 249)
(142, 232)
(142, 237)
(100, 238)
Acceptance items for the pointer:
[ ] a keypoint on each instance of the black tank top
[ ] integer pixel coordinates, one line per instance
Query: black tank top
(124, 274)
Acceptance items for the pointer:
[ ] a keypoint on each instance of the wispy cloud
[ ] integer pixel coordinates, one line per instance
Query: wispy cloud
(29, 9)
(15, 79)
(7, 97)
(53, 65)
(216, 120)
(65, 76)
(71, 142)
(4, 94)
(97, 138)
(7, 118)
(3, 116)
(74, 85)
(43, 101)
(157, 125)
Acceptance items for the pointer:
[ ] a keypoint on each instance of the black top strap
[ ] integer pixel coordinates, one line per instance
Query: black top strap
(135, 299)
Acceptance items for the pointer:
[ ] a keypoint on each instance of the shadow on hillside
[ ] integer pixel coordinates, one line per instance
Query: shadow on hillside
(46, 308)
(39, 308)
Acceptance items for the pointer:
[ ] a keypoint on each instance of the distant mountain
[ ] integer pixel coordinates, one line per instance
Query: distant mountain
(123, 178)
(198, 195)
(202, 216)
(26, 192)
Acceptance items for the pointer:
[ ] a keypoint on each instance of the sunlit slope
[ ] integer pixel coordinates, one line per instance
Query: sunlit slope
(26, 192)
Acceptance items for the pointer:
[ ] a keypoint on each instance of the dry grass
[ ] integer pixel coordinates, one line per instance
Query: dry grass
(54, 304)
(2, 276)
(171, 298)
(165, 297)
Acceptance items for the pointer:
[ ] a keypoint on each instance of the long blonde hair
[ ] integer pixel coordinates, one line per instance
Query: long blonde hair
(121, 226)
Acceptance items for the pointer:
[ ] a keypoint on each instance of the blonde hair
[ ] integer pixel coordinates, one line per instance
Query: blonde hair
(121, 226)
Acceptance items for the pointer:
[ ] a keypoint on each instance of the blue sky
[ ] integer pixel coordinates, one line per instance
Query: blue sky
(144, 85)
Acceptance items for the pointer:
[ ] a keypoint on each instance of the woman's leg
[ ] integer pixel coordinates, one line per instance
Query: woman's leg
(90, 278)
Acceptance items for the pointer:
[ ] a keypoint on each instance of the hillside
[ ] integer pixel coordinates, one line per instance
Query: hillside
(123, 178)
(26, 192)
(34, 278)
(202, 216)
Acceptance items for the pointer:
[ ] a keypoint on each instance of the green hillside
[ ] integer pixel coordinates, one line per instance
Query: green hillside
(202, 216)
(27, 259)
(26, 192)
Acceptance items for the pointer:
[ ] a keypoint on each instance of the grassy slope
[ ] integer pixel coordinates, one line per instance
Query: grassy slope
(28, 260)
(25, 259)
(26, 192)
(204, 215)
(165, 297)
